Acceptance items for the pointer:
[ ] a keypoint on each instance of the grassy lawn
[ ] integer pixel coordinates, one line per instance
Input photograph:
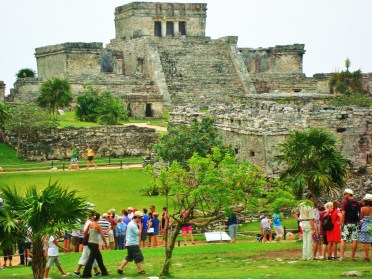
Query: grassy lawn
(226, 260)
(105, 188)
(68, 119)
(9, 161)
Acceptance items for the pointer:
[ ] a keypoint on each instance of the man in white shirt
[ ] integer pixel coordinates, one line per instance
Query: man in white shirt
(307, 220)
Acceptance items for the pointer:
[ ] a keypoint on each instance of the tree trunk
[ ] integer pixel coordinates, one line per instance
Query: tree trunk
(38, 258)
(169, 251)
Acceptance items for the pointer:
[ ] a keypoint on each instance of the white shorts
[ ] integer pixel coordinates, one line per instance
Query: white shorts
(101, 242)
(85, 256)
(111, 236)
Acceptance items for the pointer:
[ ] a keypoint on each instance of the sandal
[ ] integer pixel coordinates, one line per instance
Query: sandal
(141, 272)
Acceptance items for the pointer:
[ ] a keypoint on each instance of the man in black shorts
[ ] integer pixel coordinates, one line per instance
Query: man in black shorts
(134, 230)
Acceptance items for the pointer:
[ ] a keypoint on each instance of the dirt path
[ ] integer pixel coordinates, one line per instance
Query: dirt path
(146, 125)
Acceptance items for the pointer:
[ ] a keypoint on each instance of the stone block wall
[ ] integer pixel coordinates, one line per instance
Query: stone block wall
(278, 59)
(107, 141)
(2, 91)
(256, 128)
(68, 59)
(138, 19)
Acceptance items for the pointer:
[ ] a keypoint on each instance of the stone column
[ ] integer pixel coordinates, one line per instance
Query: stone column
(176, 28)
(163, 28)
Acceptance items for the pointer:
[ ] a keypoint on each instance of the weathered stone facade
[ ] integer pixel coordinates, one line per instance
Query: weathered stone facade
(256, 128)
(107, 141)
(161, 57)
(139, 19)
(2, 91)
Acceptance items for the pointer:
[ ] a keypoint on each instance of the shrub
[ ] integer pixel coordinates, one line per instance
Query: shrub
(26, 73)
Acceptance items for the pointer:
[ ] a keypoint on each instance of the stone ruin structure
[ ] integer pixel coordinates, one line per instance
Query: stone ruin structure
(2, 91)
(161, 58)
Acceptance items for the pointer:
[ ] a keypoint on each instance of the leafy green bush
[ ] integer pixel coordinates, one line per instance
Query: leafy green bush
(25, 73)
(94, 106)
(356, 99)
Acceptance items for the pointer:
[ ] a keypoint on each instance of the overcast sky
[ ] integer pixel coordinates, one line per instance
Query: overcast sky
(332, 30)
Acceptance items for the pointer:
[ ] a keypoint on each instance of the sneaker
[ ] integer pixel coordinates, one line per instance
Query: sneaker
(120, 271)
(65, 275)
(77, 274)
(142, 272)
(97, 274)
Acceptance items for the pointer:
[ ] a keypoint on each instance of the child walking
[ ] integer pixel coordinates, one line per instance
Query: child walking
(53, 257)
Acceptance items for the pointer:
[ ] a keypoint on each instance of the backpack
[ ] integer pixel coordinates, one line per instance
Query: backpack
(352, 211)
(327, 224)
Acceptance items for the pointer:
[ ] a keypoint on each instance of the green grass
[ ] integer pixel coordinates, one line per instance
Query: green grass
(215, 261)
(69, 120)
(9, 161)
(105, 188)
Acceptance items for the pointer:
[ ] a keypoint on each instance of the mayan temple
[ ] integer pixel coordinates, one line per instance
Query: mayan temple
(161, 58)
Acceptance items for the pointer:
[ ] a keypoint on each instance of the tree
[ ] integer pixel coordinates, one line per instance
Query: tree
(27, 121)
(54, 93)
(182, 141)
(102, 107)
(41, 213)
(110, 110)
(4, 115)
(312, 162)
(26, 73)
(87, 104)
(207, 189)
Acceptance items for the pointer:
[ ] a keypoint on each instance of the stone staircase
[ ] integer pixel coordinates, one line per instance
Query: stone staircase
(199, 72)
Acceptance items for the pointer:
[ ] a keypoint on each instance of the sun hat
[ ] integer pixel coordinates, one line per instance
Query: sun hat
(348, 191)
(130, 208)
(104, 215)
(138, 214)
(368, 197)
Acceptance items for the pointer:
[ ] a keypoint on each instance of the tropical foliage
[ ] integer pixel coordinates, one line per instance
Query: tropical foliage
(182, 141)
(94, 106)
(312, 162)
(207, 189)
(4, 115)
(40, 214)
(27, 120)
(54, 93)
(25, 73)
(350, 87)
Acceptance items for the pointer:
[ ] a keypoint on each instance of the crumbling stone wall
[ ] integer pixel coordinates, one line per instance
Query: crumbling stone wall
(107, 141)
(2, 91)
(257, 127)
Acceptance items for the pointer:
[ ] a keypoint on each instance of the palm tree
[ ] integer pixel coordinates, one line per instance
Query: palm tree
(54, 93)
(312, 162)
(41, 213)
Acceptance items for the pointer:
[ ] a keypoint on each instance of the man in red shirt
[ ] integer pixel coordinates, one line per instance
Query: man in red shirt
(111, 232)
(350, 223)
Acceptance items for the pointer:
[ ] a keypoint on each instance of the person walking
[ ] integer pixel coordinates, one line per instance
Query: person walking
(91, 155)
(232, 224)
(365, 230)
(186, 228)
(53, 257)
(134, 230)
(94, 229)
(350, 223)
(277, 221)
(306, 217)
(74, 162)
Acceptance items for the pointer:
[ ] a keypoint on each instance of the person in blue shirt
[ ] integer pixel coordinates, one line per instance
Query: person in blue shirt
(134, 230)
(154, 225)
(232, 224)
(277, 221)
(145, 223)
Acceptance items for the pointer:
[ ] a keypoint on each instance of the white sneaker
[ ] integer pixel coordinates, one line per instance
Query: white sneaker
(65, 275)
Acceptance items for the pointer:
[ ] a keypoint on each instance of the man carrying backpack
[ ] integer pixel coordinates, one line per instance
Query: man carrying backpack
(350, 223)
